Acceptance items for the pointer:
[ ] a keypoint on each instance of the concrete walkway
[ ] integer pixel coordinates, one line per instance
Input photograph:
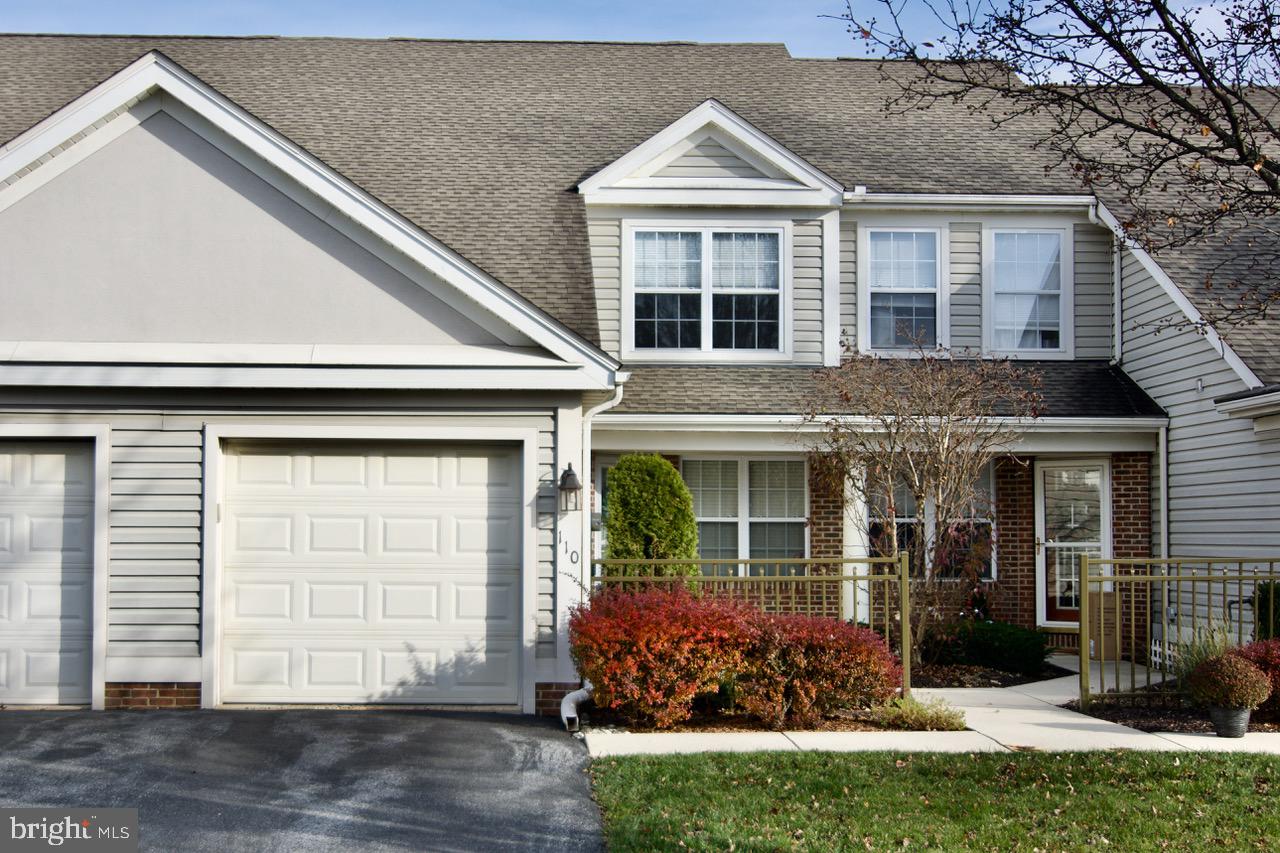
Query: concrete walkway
(1007, 719)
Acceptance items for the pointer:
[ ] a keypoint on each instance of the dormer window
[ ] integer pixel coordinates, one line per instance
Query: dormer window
(715, 292)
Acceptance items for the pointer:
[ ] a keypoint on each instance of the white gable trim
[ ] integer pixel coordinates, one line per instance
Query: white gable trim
(1153, 268)
(155, 71)
(630, 180)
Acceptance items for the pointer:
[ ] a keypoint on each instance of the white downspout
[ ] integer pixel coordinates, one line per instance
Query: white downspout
(569, 704)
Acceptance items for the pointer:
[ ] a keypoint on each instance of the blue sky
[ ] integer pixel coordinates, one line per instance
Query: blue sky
(795, 22)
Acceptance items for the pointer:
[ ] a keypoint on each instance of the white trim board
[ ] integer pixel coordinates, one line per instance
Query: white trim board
(154, 71)
(100, 434)
(212, 497)
(787, 178)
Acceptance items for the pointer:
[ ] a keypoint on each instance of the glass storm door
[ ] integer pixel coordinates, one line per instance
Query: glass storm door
(1072, 518)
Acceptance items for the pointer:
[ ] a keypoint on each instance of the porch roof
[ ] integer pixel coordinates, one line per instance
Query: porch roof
(1084, 389)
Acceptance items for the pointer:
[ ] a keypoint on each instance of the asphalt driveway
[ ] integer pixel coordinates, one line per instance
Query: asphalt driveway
(303, 780)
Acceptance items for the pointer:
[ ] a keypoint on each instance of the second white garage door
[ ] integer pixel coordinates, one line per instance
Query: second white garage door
(371, 574)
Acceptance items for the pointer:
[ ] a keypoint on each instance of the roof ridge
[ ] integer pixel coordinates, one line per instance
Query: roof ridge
(383, 39)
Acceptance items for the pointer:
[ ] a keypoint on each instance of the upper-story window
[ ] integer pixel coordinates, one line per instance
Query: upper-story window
(903, 272)
(1029, 306)
(902, 286)
(714, 291)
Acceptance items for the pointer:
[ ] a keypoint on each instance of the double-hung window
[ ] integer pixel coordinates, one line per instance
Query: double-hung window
(903, 288)
(1030, 303)
(971, 538)
(749, 509)
(706, 290)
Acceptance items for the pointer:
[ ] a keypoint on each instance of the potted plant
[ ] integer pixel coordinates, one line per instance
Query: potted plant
(1231, 687)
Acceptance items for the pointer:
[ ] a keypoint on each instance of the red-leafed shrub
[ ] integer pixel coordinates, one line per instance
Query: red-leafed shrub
(799, 669)
(1265, 655)
(650, 653)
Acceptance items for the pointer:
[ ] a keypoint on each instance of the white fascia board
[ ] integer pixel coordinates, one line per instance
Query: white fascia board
(1260, 405)
(564, 378)
(791, 439)
(1153, 268)
(951, 201)
(306, 355)
(757, 423)
(685, 196)
(619, 177)
(154, 72)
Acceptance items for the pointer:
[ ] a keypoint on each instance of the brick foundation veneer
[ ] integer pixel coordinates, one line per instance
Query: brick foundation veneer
(150, 695)
(548, 695)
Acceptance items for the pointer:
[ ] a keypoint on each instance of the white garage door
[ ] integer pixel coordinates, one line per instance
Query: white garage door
(385, 573)
(46, 573)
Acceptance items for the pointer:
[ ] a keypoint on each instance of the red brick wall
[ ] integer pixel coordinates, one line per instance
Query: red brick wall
(1131, 538)
(1013, 595)
(548, 695)
(149, 695)
(826, 521)
(1131, 505)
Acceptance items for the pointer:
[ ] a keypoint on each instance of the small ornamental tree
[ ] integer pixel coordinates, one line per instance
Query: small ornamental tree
(650, 515)
(908, 440)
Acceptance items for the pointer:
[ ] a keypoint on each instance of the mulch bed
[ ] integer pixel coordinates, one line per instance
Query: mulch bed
(724, 721)
(966, 675)
(1161, 714)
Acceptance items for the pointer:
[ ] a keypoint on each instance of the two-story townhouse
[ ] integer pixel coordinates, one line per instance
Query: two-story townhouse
(301, 335)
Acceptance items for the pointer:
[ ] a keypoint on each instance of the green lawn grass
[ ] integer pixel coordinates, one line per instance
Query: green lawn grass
(1021, 801)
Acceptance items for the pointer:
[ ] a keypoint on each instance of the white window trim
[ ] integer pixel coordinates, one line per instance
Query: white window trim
(943, 310)
(1067, 331)
(1042, 619)
(744, 517)
(783, 228)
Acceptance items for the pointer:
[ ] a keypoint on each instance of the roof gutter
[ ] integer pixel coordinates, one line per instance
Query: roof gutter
(767, 423)
(984, 201)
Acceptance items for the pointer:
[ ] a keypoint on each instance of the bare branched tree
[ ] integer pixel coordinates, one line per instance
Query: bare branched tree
(912, 460)
(1167, 110)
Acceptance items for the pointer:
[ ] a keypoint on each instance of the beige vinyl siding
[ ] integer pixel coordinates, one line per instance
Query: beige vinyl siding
(708, 159)
(1093, 294)
(807, 286)
(155, 512)
(1224, 484)
(848, 284)
(605, 236)
(966, 285)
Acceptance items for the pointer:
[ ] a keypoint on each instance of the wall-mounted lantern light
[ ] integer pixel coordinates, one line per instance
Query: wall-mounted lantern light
(570, 491)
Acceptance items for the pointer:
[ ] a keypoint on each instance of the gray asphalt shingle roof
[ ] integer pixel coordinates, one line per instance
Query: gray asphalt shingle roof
(481, 144)
(1068, 388)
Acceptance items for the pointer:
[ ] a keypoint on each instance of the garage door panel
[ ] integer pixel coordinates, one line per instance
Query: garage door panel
(259, 535)
(312, 600)
(391, 575)
(417, 669)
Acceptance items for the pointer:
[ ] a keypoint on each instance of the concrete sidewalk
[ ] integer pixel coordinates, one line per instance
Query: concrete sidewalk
(1005, 719)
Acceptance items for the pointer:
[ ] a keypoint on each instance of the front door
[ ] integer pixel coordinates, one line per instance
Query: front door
(1073, 517)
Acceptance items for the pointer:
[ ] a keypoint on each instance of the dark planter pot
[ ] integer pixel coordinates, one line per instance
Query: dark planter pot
(1230, 722)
